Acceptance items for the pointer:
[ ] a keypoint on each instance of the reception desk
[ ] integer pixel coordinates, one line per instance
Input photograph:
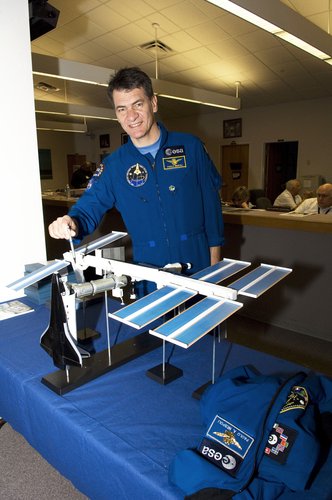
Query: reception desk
(303, 243)
(301, 302)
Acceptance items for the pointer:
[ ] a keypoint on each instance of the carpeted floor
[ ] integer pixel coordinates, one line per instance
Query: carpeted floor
(25, 475)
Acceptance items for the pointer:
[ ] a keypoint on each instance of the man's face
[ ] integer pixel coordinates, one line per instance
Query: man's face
(135, 113)
(324, 196)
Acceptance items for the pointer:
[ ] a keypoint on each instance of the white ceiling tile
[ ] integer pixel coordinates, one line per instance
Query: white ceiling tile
(129, 9)
(210, 47)
(233, 25)
(202, 55)
(180, 40)
(273, 55)
(112, 43)
(308, 7)
(322, 20)
(106, 18)
(257, 40)
(225, 49)
(207, 33)
(185, 15)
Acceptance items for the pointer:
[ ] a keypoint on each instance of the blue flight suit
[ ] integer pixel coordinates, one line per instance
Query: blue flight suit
(170, 204)
(266, 438)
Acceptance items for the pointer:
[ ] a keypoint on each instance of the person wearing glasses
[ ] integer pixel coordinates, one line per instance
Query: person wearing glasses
(321, 204)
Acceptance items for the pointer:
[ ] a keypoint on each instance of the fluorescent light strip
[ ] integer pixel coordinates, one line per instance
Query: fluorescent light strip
(223, 106)
(75, 115)
(50, 67)
(301, 44)
(195, 95)
(246, 14)
(61, 130)
(271, 28)
(80, 80)
(62, 127)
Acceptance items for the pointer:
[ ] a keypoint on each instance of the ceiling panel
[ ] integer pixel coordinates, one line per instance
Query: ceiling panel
(210, 49)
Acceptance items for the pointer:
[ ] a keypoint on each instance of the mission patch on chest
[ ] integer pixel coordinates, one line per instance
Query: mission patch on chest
(174, 158)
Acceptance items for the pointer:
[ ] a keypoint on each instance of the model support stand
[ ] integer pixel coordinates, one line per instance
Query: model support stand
(77, 365)
(165, 372)
(217, 334)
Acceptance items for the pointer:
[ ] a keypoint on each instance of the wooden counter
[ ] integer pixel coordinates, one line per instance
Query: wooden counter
(302, 301)
(281, 220)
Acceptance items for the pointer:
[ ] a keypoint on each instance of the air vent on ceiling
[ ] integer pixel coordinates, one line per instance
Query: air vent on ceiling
(161, 47)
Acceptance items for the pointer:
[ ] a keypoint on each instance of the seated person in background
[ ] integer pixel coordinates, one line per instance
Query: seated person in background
(240, 198)
(308, 194)
(82, 175)
(322, 204)
(290, 197)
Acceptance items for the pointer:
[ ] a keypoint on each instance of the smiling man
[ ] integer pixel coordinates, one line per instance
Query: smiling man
(163, 183)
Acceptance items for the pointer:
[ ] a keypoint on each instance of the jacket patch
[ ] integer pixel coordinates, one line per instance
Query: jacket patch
(220, 456)
(174, 151)
(174, 162)
(137, 175)
(280, 441)
(297, 399)
(95, 176)
(233, 438)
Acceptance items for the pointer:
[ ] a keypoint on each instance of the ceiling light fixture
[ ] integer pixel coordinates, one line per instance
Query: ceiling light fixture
(60, 68)
(46, 87)
(195, 95)
(283, 22)
(79, 128)
(74, 110)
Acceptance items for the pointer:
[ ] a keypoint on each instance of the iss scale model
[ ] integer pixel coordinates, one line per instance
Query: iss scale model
(173, 290)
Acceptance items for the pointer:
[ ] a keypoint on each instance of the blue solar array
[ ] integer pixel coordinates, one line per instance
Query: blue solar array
(259, 280)
(188, 327)
(195, 322)
(220, 271)
(152, 306)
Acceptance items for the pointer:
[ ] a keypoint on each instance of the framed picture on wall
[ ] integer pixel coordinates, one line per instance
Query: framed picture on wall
(124, 138)
(104, 141)
(45, 163)
(232, 128)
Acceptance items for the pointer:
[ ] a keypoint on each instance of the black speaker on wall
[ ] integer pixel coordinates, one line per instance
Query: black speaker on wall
(43, 18)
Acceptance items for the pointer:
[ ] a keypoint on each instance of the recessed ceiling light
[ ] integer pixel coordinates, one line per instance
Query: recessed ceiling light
(46, 87)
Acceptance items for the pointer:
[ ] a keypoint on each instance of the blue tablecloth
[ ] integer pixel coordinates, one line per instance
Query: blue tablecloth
(114, 437)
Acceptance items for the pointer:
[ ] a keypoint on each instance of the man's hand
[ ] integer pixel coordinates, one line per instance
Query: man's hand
(63, 228)
(215, 255)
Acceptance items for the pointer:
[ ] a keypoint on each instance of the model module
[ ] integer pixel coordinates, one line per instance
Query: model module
(214, 304)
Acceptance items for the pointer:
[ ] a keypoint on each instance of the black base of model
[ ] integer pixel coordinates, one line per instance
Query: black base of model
(77, 361)
(158, 374)
(63, 381)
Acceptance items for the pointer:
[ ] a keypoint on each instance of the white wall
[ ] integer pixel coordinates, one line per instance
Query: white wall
(308, 122)
(63, 143)
(22, 230)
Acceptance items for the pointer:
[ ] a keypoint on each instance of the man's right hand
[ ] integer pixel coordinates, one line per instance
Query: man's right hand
(63, 228)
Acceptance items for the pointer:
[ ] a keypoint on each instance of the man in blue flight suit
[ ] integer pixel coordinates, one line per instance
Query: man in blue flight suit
(163, 183)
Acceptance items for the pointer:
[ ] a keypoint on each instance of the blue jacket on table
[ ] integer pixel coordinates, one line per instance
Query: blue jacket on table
(170, 205)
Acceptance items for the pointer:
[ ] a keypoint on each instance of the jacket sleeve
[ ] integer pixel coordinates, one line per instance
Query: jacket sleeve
(97, 199)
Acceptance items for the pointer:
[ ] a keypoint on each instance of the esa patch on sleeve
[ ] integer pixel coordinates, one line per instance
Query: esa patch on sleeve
(220, 456)
(280, 441)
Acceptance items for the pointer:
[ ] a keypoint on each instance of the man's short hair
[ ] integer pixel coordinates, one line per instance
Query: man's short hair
(129, 79)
